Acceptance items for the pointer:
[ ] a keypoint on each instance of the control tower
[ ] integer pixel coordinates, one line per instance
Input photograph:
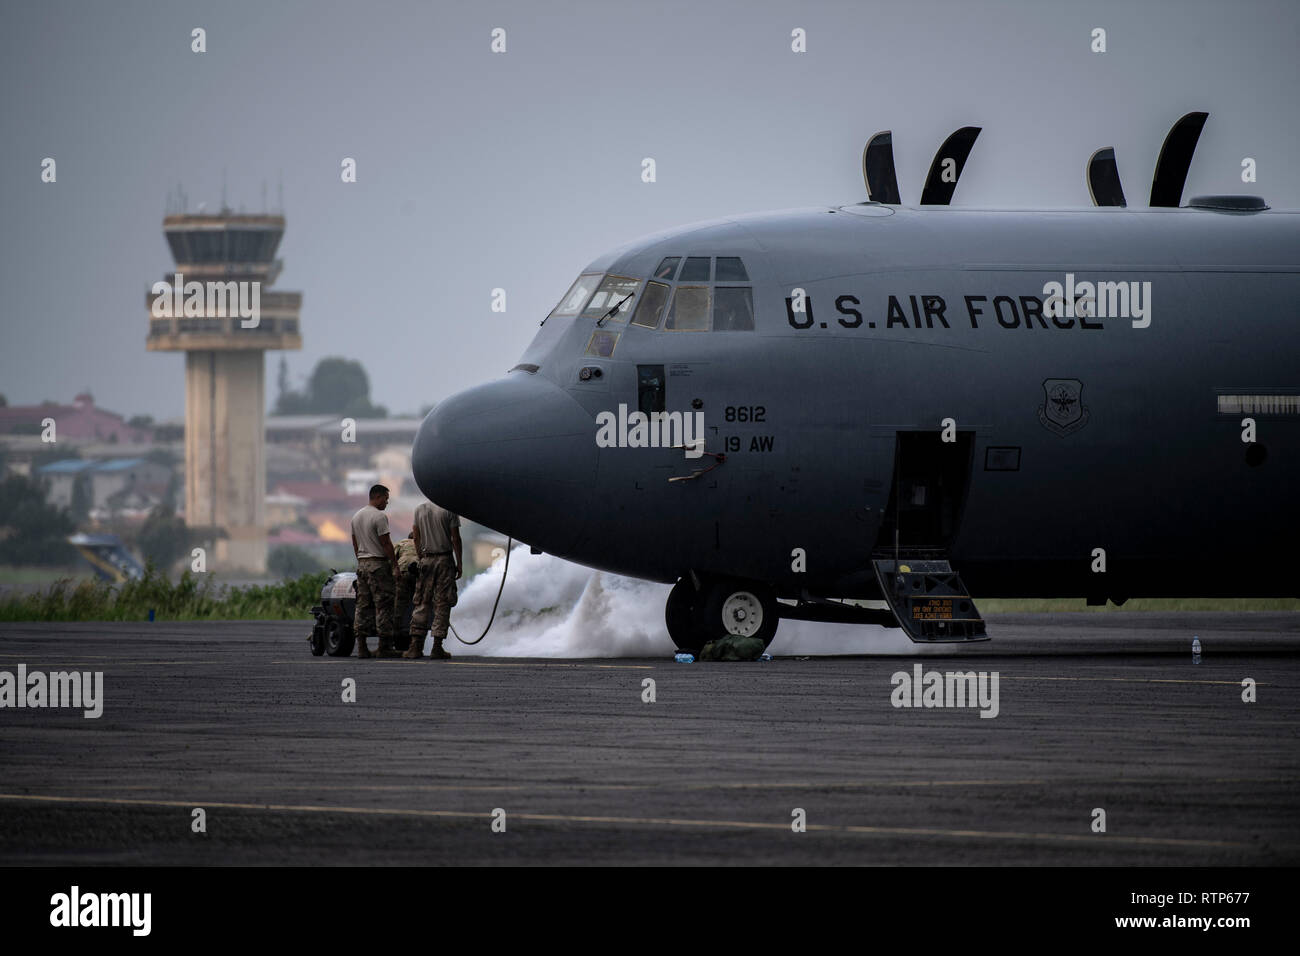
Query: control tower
(217, 309)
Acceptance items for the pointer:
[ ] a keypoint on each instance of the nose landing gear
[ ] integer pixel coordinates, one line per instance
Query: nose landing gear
(719, 607)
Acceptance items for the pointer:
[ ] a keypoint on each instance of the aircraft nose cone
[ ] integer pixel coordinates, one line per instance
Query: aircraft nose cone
(517, 455)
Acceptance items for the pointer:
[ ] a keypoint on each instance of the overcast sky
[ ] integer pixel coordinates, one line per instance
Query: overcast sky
(479, 170)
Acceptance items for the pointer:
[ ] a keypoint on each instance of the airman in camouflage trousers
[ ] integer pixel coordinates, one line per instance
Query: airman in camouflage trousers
(408, 568)
(374, 614)
(436, 587)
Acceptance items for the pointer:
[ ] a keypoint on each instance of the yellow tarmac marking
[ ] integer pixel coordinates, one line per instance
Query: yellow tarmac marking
(769, 785)
(642, 667)
(64, 662)
(1136, 680)
(611, 787)
(552, 663)
(636, 821)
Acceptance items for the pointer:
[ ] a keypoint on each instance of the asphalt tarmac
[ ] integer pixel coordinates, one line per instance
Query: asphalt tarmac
(1095, 711)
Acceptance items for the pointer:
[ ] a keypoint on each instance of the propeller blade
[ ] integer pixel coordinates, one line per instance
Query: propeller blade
(1103, 179)
(1175, 159)
(878, 169)
(938, 191)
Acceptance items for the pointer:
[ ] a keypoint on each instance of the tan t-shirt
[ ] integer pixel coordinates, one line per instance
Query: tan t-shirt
(368, 526)
(435, 524)
(406, 555)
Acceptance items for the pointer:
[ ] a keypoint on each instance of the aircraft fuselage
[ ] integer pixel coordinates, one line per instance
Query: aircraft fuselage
(905, 370)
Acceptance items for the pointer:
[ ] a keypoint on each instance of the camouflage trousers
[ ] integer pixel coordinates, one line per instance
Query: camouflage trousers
(374, 613)
(405, 596)
(435, 592)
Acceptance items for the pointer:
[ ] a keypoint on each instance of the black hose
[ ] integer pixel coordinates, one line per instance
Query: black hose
(504, 572)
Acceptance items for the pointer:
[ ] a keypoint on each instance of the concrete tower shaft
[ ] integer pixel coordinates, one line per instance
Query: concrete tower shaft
(216, 308)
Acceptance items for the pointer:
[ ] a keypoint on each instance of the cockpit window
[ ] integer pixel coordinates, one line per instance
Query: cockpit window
(733, 309)
(668, 268)
(578, 293)
(731, 269)
(696, 269)
(690, 309)
(612, 291)
(651, 307)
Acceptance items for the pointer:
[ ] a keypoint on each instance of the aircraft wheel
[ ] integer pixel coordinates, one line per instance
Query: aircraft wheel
(740, 608)
(682, 615)
(338, 639)
(317, 639)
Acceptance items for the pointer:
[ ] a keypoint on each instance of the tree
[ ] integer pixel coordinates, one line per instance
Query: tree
(288, 562)
(338, 386)
(292, 403)
(288, 401)
(32, 531)
(164, 537)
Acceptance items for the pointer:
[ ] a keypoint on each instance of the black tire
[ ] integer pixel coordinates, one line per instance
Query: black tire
(744, 608)
(339, 639)
(682, 615)
(318, 640)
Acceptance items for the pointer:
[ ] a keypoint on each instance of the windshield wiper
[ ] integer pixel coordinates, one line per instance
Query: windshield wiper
(610, 313)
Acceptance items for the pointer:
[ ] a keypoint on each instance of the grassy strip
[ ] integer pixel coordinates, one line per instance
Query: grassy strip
(185, 600)
(15, 575)
(1043, 605)
(190, 599)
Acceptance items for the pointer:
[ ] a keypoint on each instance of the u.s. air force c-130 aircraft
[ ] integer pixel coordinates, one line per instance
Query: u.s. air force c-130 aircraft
(785, 411)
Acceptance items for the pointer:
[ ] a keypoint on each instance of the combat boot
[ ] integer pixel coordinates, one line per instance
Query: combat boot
(438, 654)
(386, 648)
(416, 650)
(362, 651)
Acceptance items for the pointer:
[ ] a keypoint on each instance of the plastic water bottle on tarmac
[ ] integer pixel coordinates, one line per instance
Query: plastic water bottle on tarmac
(683, 658)
(1196, 649)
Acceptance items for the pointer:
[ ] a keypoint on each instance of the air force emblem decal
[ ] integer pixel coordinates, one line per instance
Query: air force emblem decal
(1063, 410)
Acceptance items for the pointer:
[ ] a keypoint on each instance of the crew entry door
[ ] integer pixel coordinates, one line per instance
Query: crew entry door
(650, 388)
(910, 560)
(930, 482)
